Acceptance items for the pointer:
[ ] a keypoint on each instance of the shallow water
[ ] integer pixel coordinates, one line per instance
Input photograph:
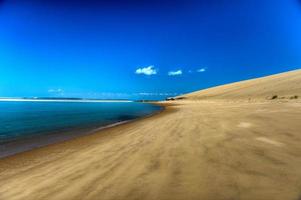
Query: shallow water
(29, 119)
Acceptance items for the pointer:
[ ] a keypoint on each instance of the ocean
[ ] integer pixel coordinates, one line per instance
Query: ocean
(23, 120)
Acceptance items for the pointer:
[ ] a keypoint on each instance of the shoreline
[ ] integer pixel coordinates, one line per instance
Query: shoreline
(24, 145)
(11, 148)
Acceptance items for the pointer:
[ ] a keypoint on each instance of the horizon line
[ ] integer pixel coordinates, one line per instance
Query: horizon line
(61, 100)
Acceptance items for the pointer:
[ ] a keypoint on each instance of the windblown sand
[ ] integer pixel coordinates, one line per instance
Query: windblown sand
(212, 149)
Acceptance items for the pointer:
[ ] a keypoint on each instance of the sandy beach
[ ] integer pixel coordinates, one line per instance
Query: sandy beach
(239, 141)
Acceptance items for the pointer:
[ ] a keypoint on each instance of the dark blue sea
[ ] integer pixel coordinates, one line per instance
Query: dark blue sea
(20, 120)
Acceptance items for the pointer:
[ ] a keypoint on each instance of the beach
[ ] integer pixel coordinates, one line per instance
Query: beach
(236, 142)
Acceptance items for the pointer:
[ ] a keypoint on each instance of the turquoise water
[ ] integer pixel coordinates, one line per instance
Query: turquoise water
(30, 119)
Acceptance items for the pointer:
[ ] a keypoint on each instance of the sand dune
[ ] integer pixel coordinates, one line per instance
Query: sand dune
(284, 85)
(207, 150)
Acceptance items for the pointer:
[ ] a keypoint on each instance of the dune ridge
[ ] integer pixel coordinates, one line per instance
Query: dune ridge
(284, 85)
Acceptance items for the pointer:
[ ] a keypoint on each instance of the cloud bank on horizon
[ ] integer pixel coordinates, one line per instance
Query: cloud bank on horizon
(59, 90)
(56, 92)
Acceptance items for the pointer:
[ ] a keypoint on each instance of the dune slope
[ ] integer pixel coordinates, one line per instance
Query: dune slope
(285, 85)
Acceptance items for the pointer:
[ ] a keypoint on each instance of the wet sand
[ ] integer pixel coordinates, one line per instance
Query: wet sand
(195, 149)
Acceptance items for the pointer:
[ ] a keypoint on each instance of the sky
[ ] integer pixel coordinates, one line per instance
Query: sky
(142, 49)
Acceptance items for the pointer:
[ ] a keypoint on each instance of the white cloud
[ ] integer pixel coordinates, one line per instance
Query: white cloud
(59, 90)
(175, 73)
(155, 94)
(201, 70)
(150, 70)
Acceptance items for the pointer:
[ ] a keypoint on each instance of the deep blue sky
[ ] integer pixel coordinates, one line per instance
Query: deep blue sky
(95, 48)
